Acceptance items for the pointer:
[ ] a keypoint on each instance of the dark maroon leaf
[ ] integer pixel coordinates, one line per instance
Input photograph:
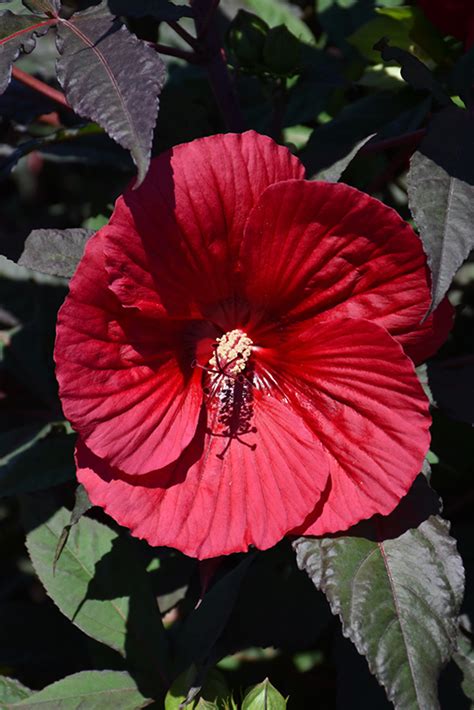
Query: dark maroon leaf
(50, 7)
(54, 251)
(159, 9)
(441, 195)
(113, 78)
(17, 34)
(397, 584)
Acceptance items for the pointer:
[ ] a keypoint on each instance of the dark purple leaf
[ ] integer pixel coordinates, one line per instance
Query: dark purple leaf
(159, 9)
(113, 78)
(50, 7)
(452, 384)
(54, 251)
(441, 195)
(18, 34)
(397, 584)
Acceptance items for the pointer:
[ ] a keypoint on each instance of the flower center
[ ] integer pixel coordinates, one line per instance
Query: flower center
(231, 353)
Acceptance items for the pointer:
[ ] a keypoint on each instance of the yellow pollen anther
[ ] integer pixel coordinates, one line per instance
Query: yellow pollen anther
(232, 353)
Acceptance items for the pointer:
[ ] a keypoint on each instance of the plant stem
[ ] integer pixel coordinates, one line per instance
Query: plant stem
(206, 20)
(216, 64)
(41, 87)
(175, 52)
(184, 34)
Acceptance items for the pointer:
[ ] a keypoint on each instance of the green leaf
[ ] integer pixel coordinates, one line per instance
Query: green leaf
(97, 53)
(335, 171)
(43, 459)
(11, 691)
(441, 195)
(18, 33)
(366, 36)
(397, 588)
(263, 696)
(89, 690)
(278, 12)
(100, 583)
(334, 140)
(54, 251)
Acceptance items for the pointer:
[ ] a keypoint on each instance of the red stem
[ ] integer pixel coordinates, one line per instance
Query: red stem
(178, 53)
(41, 87)
(207, 20)
(184, 34)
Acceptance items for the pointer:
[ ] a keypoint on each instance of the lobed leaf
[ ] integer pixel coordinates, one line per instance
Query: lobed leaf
(398, 597)
(99, 583)
(441, 195)
(88, 690)
(113, 78)
(18, 34)
(54, 251)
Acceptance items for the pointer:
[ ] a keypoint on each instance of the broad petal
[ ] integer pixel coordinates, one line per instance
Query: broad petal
(222, 495)
(312, 248)
(360, 395)
(171, 244)
(122, 383)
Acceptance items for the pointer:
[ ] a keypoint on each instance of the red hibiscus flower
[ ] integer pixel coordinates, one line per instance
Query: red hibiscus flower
(236, 352)
(452, 17)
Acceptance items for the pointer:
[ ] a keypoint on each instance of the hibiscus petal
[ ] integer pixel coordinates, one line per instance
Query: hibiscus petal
(122, 384)
(171, 243)
(222, 495)
(313, 247)
(360, 395)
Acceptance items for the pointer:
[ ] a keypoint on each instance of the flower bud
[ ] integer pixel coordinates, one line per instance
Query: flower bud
(282, 51)
(246, 38)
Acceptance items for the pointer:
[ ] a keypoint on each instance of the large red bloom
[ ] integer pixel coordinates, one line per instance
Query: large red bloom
(236, 352)
(452, 17)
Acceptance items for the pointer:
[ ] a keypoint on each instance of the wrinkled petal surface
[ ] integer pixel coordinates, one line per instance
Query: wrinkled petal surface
(171, 244)
(359, 393)
(216, 500)
(122, 381)
(313, 248)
